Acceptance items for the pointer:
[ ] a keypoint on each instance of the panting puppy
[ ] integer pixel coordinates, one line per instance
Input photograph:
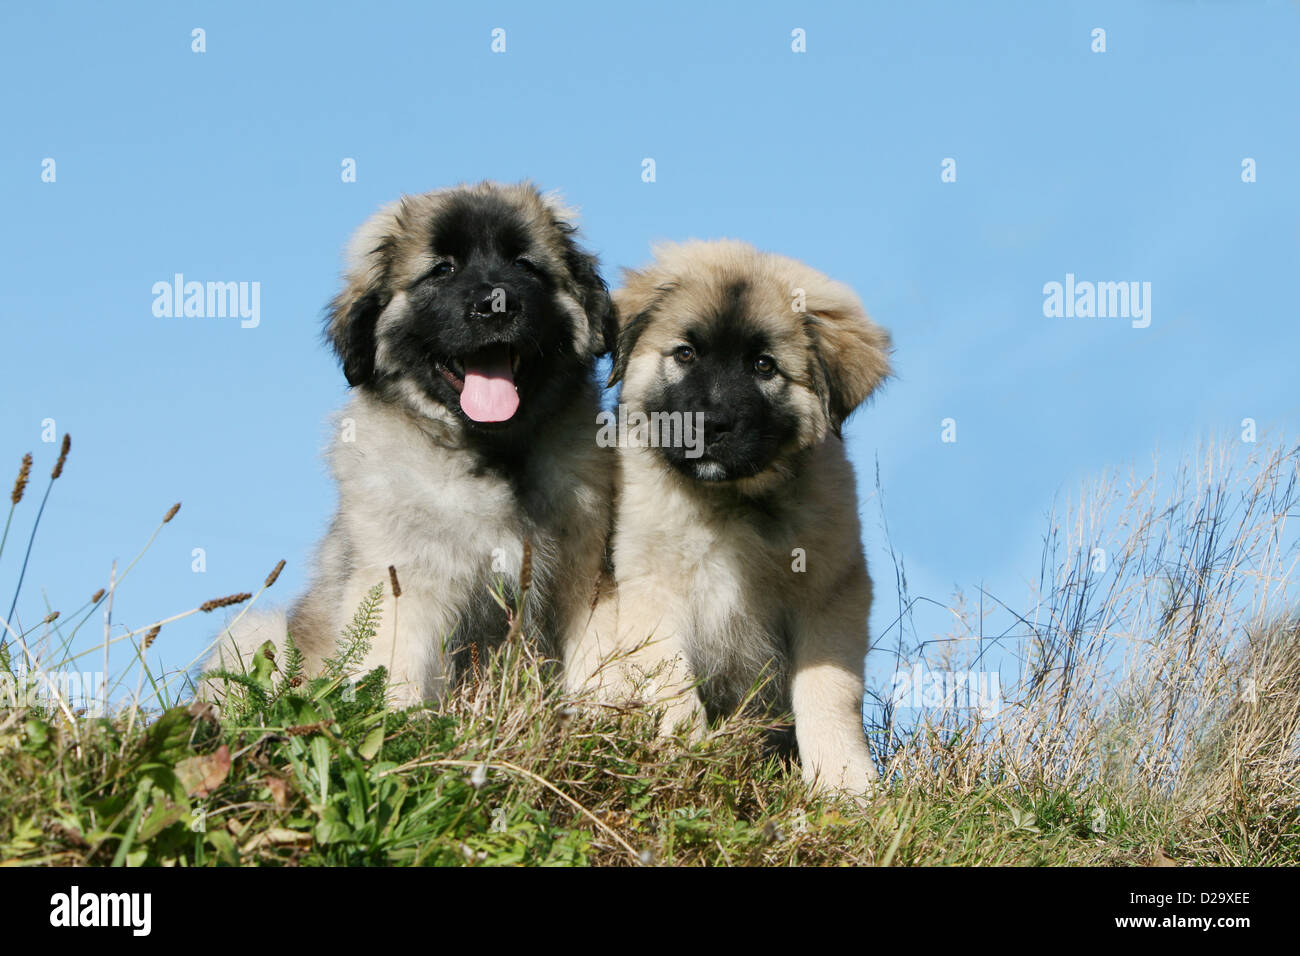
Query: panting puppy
(468, 328)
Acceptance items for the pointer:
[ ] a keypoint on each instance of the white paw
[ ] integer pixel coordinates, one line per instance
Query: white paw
(855, 777)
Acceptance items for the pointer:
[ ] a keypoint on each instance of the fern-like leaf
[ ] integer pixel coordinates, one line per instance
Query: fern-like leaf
(291, 671)
(246, 706)
(355, 643)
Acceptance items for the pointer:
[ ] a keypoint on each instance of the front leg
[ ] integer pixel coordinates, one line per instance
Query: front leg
(826, 697)
(632, 649)
(408, 639)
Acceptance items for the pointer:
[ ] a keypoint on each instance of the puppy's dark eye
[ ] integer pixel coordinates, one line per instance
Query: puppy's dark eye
(441, 270)
(765, 366)
(528, 265)
(684, 354)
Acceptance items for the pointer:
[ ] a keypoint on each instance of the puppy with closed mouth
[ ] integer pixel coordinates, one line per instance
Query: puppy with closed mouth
(468, 328)
(738, 555)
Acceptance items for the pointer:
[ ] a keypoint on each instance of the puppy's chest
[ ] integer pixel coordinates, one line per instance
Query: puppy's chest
(458, 530)
(729, 584)
(477, 545)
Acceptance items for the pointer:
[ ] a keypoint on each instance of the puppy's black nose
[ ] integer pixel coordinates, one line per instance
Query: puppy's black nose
(496, 301)
(719, 422)
(488, 305)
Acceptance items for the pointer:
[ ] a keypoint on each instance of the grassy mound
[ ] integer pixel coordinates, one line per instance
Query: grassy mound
(1156, 722)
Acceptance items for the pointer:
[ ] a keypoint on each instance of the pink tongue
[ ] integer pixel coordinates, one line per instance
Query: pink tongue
(489, 394)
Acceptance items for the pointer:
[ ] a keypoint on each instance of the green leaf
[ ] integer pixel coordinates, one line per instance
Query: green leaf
(358, 797)
(355, 643)
(160, 817)
(168, 734)
(331, 828)
(224, 845)
(320, 755)
(167, 781)
(300, 710)
(264, 665)
(142, 792)
(38, 733)
(370, 746)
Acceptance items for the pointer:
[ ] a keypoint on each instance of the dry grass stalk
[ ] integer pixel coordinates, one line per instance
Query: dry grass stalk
(1165, 665)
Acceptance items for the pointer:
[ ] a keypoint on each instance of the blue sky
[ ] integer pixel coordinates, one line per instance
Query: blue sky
(1117, 166)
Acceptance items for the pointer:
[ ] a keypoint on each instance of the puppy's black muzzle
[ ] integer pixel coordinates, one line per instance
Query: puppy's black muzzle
(495, 303)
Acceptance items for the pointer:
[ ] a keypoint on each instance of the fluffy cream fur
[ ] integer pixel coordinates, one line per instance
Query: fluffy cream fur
(413, 495)
(722, 587)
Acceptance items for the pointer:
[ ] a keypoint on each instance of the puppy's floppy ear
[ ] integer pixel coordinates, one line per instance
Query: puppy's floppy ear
(351, 317)
(592, 293)
(588, 287)
(851, 351)
(634, 305)
(351, 330)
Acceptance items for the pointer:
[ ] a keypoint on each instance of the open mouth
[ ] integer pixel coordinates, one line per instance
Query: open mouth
(485, 381)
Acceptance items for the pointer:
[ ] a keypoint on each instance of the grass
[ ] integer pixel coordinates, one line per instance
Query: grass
(509, 773)
(1142, 731)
